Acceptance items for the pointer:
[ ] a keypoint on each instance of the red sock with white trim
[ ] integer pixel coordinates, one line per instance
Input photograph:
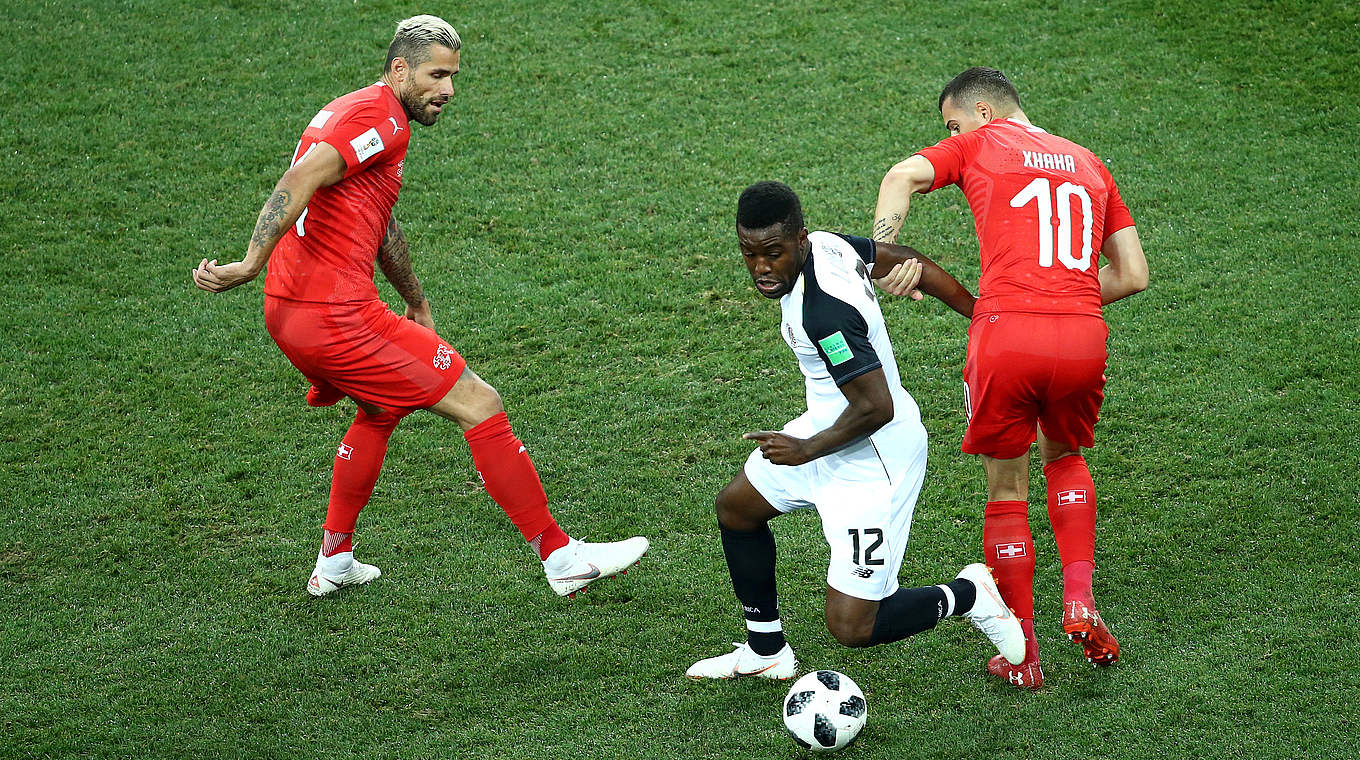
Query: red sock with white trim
(509, 476)
(357, 464)
(1072, 511)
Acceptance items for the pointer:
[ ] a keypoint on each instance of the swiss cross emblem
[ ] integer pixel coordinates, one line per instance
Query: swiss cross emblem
(1077, 496)
(443, 357)
(344, 451)
(1010, 551)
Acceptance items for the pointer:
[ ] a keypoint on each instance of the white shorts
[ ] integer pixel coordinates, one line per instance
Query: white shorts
(865, 501)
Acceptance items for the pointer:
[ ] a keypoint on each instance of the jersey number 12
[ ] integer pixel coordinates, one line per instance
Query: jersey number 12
(1042, 193)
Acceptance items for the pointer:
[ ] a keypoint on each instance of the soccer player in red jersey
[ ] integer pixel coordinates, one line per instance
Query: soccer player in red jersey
(327, 222)
(1045, 210)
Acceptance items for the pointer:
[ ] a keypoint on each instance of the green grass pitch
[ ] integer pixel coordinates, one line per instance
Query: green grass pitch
(571, 218)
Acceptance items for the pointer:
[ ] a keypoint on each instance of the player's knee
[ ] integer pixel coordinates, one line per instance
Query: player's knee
(728, 511)
(1051, 451)
(487, 399)
(471, 402)
(851, 631)
(733, 512)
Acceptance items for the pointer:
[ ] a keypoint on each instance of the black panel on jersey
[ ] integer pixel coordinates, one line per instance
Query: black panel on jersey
(863, 246)
(838, 331)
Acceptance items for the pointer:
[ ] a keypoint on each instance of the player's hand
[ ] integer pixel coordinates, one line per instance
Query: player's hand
(215, 278)
(780, 448)
(421, 314)
(902, 280)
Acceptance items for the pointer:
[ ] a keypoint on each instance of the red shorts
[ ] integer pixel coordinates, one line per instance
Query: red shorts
(1024, 369)
(365, 351)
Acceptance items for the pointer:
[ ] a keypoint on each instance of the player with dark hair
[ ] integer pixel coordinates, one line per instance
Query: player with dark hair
(327, 221)
(1045, 210)
(858, 455)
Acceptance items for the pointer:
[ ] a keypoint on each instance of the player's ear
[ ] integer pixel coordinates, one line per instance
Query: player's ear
(985, 112)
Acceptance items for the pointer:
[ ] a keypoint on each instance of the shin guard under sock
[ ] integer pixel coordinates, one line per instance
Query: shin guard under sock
(1009, 549)
(750, 561)
(908, 612)
(357, 464)
(509, 476)
(1072, 512)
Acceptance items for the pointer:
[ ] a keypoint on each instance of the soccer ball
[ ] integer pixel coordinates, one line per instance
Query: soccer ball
(825, 711)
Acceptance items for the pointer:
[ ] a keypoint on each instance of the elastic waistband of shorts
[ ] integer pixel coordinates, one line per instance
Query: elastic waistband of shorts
(1074, 305)
(321, 305)
(979, 314)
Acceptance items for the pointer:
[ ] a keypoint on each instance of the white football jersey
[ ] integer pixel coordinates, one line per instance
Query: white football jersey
(833, 323)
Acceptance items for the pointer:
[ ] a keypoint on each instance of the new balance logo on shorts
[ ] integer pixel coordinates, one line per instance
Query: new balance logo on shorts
(344, 451)
(1010, 551)
(1072, 497)
(862, 572)
(443, 357)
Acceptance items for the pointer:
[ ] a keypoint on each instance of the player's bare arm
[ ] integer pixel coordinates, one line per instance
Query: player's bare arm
(394, 258)
(914, 175)
(320, 168)
(902, 270)
(871, 407)
(1126, 269)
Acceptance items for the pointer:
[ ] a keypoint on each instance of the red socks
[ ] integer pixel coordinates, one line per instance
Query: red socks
(511, 480)
(1009, 549)
(1010, 546)
(357, 464)
(1072, 511)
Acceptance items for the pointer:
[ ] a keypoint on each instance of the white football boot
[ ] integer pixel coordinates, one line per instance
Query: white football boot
(573, 567)
(743, 662)
(991, 615)
(338, 571)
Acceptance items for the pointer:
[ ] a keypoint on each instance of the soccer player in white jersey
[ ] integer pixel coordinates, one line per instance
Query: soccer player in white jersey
(858, 455)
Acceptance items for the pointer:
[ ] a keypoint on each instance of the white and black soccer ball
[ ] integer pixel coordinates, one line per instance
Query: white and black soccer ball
(825, 711)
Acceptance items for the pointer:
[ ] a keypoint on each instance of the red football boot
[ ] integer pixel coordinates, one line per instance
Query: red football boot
(1083, 625)
(1026, 675)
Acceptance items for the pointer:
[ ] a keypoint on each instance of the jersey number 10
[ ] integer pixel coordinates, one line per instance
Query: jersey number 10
(1041, 192)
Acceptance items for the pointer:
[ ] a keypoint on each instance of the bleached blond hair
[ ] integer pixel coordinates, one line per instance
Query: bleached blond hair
(414, 37)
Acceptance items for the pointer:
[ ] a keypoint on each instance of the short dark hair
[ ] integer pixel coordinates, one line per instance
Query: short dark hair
(981, 83)
(767, 203)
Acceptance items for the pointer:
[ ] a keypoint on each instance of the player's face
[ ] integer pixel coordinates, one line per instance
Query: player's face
(427, 88)
(773, 259)
(960, 120)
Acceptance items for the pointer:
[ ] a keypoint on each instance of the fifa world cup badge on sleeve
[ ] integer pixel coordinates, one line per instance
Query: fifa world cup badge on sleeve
(837, 350)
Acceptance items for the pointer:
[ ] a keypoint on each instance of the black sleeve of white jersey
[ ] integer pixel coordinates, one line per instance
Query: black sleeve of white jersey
(863, 246)
(840, 334)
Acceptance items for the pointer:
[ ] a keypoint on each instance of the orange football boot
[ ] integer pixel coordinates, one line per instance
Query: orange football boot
(1083, 624)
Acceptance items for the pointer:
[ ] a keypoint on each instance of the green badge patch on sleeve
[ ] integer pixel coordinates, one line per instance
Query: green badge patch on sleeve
(837, 352)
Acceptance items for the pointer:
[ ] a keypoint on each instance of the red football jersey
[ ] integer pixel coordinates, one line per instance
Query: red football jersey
(328, 255)
(1043, 207)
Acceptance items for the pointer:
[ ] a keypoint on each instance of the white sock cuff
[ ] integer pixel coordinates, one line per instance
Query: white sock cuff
(762, 626)
(948, 598)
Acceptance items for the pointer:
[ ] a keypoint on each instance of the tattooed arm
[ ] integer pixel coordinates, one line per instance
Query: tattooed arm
(913, 175)
(394, 257)
(323, 166)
